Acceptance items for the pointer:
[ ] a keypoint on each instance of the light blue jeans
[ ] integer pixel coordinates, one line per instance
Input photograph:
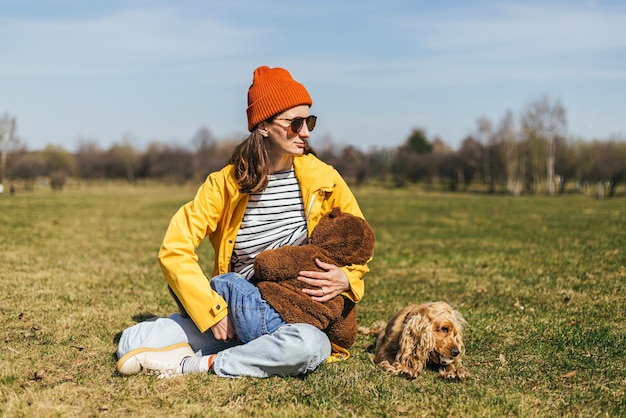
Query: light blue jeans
(250, 314)
(290, 350)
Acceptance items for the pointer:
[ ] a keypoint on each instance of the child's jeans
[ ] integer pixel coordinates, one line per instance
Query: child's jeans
(250, 314)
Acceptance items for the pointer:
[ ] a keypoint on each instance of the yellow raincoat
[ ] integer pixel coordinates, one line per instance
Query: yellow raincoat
(217, 211)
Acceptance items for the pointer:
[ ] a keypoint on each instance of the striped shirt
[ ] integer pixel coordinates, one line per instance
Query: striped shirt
(273, 218)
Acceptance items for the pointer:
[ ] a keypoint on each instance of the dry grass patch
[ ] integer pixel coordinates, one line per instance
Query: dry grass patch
(541, 281)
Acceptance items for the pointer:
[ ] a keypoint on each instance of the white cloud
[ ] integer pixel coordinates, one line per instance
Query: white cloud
(511, 29)
(512, 42)
(120, 43)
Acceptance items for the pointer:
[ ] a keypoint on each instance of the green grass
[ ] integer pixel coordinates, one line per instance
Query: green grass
(541, 281)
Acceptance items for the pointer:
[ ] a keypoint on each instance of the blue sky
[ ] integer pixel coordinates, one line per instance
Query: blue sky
(155, 70)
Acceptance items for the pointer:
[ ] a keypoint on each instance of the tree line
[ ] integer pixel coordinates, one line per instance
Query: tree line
(530, 154)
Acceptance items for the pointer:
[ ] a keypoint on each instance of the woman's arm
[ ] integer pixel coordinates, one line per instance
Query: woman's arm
(179, 261)
(335, 280)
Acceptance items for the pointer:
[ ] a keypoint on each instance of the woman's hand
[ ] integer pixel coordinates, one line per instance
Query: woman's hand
(327, 284)
(224, 330)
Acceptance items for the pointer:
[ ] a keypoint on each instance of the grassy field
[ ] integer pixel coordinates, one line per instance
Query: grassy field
(541, 281)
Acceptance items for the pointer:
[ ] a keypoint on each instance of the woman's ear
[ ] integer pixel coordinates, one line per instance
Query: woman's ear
(263, 130)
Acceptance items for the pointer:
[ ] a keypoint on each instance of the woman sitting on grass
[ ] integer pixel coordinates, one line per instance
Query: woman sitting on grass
(273, 192)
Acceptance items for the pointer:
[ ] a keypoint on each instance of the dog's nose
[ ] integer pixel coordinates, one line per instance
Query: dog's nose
(455, 352)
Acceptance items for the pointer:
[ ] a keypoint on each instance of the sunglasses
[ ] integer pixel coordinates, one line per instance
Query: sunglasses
(297, 122)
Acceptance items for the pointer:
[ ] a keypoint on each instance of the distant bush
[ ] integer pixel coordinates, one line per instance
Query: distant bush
(58, 178)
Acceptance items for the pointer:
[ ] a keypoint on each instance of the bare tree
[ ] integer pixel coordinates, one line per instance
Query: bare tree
(172, 164)
(122, 160)
(471, 154)
(7, 129)
(610, 166)
(90, 160)
(511, 156)
(353, 165)
(450, 169)
(492, 162)
(205, 153)
(586, 155)
(545, 121)
(27, 166)
(565, 163)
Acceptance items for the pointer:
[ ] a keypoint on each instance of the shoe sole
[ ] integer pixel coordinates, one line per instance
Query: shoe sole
(130, 370)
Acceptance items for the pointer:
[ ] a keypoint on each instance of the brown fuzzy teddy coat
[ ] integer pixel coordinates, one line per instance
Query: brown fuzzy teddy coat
(340, 239)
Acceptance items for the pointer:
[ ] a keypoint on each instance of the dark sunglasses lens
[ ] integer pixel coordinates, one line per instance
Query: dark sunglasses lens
(310, 122)
(296, 124)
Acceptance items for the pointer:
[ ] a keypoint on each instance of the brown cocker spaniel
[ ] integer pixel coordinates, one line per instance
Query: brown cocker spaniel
(430, 333)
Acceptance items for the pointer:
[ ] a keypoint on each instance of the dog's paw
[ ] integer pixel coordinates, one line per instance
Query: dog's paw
(452, 372)
(365, 330)
(375, 329)
(462, 373)
(398, 369)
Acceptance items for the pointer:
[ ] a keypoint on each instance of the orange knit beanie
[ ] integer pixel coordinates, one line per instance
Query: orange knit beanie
(273, 90)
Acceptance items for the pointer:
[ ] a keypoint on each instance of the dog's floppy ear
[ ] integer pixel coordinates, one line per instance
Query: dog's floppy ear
(459, 324)
(460, 321)
(416, 342)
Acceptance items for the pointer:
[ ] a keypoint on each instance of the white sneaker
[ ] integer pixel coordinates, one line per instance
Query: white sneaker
(164, 361)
